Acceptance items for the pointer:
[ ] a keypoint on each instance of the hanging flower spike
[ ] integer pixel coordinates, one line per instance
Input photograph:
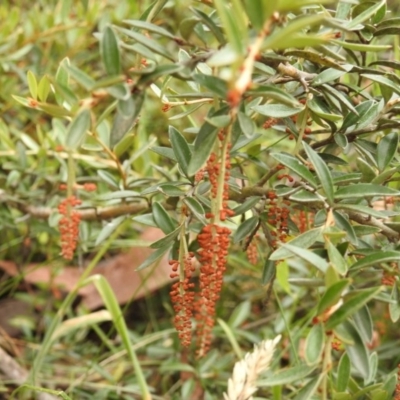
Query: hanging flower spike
(69, 226)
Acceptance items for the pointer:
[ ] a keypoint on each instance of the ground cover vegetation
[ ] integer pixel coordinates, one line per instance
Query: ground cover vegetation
(261, 138)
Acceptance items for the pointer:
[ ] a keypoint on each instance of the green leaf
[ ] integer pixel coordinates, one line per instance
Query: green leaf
(181, 149)
(322, 171)
(328, 75)
(279, 38)
(155, 256)
(213, 83)
(308, 256)
(258, 12)
(269, 271)
(126, 116)
(32, 84)
(245, 229)
(303, 241)
(314, 344)
(319, 107)
(77, 129)
(351, 305)
(361, 47)
(277, 110)
(108, 229)
(357, 352)
(332, 295)
(362, 320)
(343, 374)
(240, 314)
(361, 190)
(394, 307)
(383, 81)
(196, 208)
(307, 392)
(336, 259)
(247, 125)
(376, 258)
(286, 376)
(162, 219)
(81, 77)
(234, 23)
(148, 26)
(207, 21)
(296, 166)
(364, 16)
(274, 93)
(166, 240)
(151, 44)
(248, 204)
(43, 88)
(282, 276)
(202, 147)
(110, 52)
(386, 150)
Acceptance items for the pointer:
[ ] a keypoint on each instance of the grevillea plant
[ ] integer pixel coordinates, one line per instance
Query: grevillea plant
(261, 137)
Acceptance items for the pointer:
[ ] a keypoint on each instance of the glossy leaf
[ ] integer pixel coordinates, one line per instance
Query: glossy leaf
(77, 129)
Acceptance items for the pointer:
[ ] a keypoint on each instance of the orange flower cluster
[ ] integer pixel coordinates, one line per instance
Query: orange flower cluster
(182, 297)
(278, 218)
(69, 226)
(303, 220)
(388, 279)
(270, 122)
(214, 243)
(252, 253)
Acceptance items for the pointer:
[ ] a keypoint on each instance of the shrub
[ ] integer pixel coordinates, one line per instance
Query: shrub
(258, 127)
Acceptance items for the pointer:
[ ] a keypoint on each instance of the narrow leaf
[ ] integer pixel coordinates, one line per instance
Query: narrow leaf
(296, 166)
(110, 52)
(77, 129)
(180, 148)
(322, 171)
(351, 305)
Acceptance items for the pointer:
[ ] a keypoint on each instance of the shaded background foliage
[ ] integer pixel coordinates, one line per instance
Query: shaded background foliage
(135, 107)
